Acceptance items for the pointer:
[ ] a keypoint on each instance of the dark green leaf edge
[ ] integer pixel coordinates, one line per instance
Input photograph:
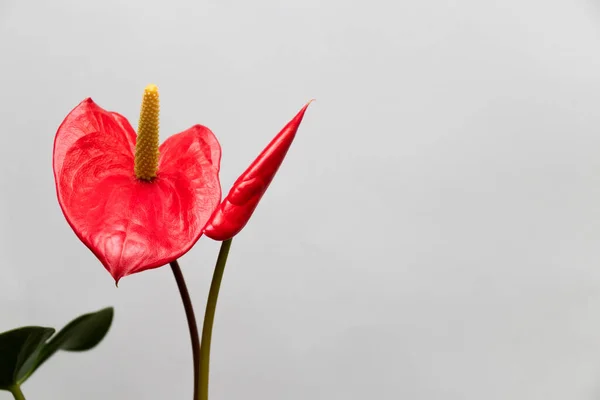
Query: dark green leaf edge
(83, 333)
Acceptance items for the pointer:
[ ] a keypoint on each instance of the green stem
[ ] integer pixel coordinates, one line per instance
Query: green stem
(191, 320)
(16, 392)
(209, 319)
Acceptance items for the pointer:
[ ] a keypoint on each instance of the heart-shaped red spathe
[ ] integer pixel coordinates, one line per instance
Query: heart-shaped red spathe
(129, 224)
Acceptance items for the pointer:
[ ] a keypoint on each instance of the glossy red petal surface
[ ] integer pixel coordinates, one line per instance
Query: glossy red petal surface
(131, 225)
(236, 209)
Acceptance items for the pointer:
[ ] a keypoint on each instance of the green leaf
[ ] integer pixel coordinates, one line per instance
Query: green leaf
(23, 350)
(83, 333)
(19, 351)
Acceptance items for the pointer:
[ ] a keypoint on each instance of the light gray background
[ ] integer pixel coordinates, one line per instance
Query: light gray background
(433, 234)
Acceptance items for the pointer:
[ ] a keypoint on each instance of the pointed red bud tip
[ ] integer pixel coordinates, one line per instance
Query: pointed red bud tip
(234, 212)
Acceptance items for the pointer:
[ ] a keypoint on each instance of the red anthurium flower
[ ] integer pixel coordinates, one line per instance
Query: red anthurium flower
(135, 204)
(234, 212)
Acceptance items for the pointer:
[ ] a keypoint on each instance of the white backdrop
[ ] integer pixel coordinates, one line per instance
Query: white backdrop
(433, 234)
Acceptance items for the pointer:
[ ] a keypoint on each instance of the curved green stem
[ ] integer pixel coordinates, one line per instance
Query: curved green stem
(209, 319)
(16, 392)
(191, 320)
